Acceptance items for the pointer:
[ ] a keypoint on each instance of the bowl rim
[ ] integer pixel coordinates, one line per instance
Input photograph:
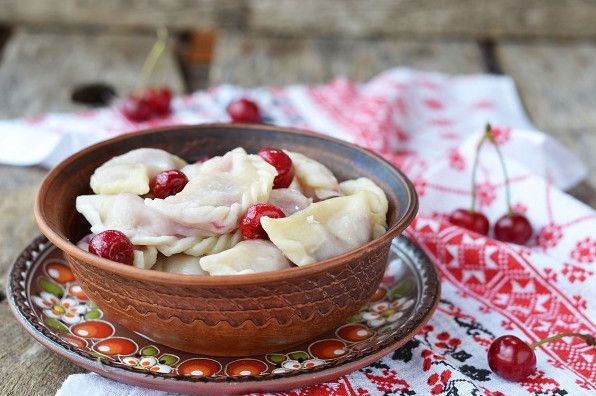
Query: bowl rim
(131, 272)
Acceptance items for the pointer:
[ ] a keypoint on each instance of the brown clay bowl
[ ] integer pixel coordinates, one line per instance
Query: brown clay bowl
(226, 315)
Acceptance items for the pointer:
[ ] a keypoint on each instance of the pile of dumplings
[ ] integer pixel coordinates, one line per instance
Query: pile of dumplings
(196, 231)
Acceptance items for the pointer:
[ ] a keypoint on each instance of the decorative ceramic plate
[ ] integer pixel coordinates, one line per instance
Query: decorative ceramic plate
(46, 299)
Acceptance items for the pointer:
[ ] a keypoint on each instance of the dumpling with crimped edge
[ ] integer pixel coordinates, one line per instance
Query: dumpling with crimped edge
(200, 246)
(129, 214)
(179, 264)
(247, 257)
(378, 202)
(315, 179)
(144, 256)
(323, 230)
(219, 192)
(132, 172)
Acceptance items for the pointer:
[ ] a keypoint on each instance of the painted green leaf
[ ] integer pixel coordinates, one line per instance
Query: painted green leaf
(95, 314)
(276, 358)
(149, 351)
(168, 359)
(98, 355)
(51, 287)
(355, 318)
(55, 324)
(299, 355)
(401, 288)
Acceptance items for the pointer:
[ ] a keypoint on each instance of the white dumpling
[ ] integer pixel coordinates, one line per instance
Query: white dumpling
(129, 214)
(323, 230)
(179, 264)
(84, 242)
(131, 172)
(219, 192)
(315, 179)
(144, 256)
(201, 246)
(246, 257)
(377, 201)
(288, 200)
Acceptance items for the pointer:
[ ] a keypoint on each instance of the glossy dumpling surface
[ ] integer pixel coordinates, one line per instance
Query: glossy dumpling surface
(288, 200)
(314, 178)
(179, 264)
(128, 213)
(246, 257)
(377, 201)
(144, 256)
(219, 192)
(324, 229)
(131, 172)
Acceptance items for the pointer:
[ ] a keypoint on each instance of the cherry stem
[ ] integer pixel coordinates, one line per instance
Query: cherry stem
(492, 139)
(154, 55)
(474, 170)
(590, 340)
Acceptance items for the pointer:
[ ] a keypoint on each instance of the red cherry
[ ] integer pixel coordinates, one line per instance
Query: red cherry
(244, 110)
(282, 163)
(513, 228)
(250, 223)
(167, 183)
(511, 358)
(113, 245)
(136, 109)
(159, 100)
(473, 221)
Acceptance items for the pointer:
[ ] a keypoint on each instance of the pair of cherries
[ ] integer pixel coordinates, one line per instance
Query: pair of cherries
(511, 227)
(149, 104)
(114, 245)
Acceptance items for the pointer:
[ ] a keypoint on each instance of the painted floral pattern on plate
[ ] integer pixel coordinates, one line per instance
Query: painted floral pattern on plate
(63, 308)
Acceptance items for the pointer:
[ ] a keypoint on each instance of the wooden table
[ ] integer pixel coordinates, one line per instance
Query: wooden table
(38, 69)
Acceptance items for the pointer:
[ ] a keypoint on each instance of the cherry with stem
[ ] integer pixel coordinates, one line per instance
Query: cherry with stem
(148, 103)
(470, 218)
(514, 359)
(511, 227)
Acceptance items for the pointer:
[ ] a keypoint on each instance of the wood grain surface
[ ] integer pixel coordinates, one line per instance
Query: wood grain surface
(352, 18)
(251, 60)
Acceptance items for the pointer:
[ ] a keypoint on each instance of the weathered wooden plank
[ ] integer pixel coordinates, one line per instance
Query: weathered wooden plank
(479, 18)
(17, 226)
(146, 14)
(256, 60)
(557, 81)
(40, 68)
(28, 368)
(358, 18)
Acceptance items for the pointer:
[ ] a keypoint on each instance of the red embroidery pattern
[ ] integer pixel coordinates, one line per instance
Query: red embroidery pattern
(496, 275)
